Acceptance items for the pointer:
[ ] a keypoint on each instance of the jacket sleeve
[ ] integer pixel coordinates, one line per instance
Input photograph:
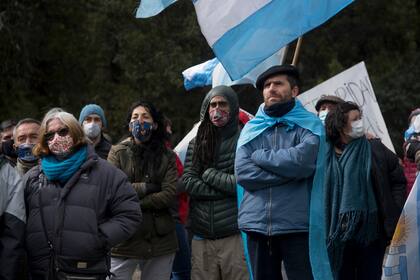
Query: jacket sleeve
(220, 180)
(124, 208)
(113, 158)
(297, 162)
(398, 182)
(12, 223)
(166, 197)
(194, 184)
(250, 175)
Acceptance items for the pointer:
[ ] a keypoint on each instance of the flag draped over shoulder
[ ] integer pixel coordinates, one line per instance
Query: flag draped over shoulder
(403, 258)
(242, 34)
(149, 8)
(321, 269)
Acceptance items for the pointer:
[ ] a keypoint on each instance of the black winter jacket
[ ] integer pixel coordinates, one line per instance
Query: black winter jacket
(213, 202)
(389, 185)
(95, 210)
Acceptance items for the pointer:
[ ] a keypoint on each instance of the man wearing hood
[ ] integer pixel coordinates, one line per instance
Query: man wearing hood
(275, 165)
(217, 251)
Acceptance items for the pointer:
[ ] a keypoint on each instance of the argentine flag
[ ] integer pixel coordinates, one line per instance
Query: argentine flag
(213, 73)
(149, 8)
(243, 33)
(402, 262)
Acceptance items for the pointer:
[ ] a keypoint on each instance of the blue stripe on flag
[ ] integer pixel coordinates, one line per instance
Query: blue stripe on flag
(269, 29)
(149, 8)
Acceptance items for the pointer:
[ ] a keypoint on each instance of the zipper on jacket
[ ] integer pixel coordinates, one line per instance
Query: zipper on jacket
(270, 189)
(212, 218)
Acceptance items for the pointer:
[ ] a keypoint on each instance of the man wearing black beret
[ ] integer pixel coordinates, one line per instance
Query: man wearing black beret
(275, 164)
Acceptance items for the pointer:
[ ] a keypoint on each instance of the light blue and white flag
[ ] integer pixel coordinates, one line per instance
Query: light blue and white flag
(199, 75)
(403, 258)
(149, 8)
(221, 77)
(242, 33)
(213, 73)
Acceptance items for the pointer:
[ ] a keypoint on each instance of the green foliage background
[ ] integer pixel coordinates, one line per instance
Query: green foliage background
(70, 53)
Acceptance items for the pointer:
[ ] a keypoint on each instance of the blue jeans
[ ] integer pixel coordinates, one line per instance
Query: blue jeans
(181, 269)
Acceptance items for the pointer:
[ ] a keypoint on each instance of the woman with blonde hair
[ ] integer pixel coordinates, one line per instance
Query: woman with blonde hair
(78, 205)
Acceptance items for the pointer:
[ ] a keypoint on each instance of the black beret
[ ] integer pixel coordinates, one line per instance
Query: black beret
(285, 69)
(327, 99)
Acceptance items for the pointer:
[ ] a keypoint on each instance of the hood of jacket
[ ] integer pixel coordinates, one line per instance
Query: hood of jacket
(230, 95)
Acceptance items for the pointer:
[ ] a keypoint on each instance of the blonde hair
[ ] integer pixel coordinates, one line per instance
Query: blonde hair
(75, 131)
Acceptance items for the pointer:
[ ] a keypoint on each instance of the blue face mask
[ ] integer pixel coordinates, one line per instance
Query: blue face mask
(24, 152)
(141, 131)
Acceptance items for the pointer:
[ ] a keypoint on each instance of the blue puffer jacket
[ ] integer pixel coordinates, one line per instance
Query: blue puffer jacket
(276, 170)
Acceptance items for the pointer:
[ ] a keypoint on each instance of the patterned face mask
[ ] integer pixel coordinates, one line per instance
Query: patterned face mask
(25, 152)
(61, 145)
(141, 131)
(219, 117)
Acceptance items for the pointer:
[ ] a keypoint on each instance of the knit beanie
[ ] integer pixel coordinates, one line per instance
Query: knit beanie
(92, 109)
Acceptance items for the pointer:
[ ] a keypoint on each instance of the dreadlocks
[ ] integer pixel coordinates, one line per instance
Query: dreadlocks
(206, 141)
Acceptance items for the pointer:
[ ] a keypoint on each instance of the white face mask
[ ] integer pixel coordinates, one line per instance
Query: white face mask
(92, 130)
(323, 115)
(416, 124)
(357, 129)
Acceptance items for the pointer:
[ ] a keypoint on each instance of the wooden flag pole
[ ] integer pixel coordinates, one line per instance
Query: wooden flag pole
(283, 60)
(297, 50)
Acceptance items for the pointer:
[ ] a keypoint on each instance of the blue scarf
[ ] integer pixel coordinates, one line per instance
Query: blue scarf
(350, 206)
(317, 229)
(61, 171)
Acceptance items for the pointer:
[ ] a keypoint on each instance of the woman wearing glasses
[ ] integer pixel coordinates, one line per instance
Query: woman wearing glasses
(152, 170)
(78, 205)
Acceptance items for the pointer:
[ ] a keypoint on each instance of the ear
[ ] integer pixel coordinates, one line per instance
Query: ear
(295, 91)
(155, 126)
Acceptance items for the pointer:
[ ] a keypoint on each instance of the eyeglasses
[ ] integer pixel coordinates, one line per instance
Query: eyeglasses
(50, 135)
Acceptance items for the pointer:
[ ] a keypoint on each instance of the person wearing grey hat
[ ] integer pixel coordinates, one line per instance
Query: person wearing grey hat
(92, 118)
(326, 104)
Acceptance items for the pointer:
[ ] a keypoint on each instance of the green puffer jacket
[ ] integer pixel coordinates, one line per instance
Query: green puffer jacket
(156, 235)
(213, 202)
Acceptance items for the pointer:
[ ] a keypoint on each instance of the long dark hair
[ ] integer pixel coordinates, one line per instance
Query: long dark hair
(152, 151)
(337, 119)
(206, 142)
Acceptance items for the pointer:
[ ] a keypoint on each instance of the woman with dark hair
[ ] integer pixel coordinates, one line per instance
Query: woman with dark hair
(151, 169)
(365, 191)
(78, 205)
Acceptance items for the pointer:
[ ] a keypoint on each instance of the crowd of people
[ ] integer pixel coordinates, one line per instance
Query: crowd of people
(286, 194)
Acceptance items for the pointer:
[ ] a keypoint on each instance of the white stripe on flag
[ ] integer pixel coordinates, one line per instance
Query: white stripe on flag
(216, 17)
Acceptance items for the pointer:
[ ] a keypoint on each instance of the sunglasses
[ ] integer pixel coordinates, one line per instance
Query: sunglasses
(50, 135)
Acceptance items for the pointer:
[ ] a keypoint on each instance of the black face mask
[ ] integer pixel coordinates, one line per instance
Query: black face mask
(8, 149)
(280, 109)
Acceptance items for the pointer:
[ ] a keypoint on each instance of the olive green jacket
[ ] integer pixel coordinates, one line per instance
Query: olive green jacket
(156, 235)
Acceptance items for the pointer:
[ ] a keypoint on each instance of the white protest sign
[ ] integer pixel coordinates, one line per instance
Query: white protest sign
(352, 85)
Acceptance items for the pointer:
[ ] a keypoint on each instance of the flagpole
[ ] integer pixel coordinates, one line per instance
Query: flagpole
(297, 50)
(283, 60)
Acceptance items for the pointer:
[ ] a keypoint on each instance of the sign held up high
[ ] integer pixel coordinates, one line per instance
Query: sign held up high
(353, 85)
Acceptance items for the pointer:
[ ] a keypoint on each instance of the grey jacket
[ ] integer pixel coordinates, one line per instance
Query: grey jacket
(12, 220)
